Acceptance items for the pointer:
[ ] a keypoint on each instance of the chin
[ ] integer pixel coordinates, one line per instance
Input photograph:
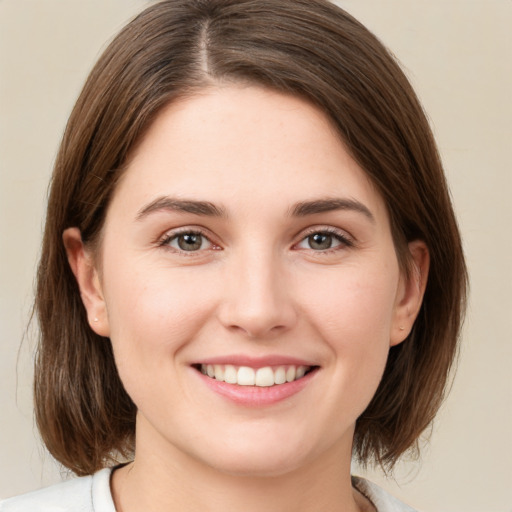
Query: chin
(257, 466)
(266, 455)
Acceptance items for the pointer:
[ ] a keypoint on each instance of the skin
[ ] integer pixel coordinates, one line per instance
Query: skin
(255, 287)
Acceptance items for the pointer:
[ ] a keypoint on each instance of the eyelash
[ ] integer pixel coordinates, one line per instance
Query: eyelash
(340, 236)
(344, 240)
(166, 240)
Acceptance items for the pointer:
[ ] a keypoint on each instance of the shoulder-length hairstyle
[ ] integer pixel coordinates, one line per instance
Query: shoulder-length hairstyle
(307, 48)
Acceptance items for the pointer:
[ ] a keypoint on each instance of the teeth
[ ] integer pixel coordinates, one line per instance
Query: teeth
(301, 370)
(265, 377)
(219, 372)
(246, 376)
(230, 374)
(280, 375)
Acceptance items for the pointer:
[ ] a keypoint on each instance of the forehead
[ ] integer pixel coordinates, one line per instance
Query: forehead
(232, 143)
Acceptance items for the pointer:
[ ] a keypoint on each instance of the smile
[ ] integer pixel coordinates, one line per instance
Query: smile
(266, 376)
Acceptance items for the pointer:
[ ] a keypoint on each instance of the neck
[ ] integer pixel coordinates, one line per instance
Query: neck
(178, 482)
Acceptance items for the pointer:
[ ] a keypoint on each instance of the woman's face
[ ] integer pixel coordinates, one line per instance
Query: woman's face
(244, 242)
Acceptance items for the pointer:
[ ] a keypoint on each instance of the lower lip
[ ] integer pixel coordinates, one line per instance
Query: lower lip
(255, 396)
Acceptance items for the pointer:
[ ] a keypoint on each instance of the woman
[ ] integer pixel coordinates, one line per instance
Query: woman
(251, 269)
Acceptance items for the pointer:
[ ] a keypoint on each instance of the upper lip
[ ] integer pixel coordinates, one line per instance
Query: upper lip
(256, 362)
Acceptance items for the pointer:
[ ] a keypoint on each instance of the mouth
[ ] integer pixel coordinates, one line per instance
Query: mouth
(264, 377)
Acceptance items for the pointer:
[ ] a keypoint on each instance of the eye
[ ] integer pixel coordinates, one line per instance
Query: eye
(324, 240)
(189, 241)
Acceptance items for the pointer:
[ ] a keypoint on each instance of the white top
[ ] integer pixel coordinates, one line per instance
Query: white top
(92, 494)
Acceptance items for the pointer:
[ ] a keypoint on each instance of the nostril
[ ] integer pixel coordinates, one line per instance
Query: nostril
(255, 331)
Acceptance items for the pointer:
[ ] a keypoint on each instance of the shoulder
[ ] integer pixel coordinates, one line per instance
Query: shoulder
(382, 501)
(85, 494)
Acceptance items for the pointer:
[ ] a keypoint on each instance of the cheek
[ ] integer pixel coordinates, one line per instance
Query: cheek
(354, 301)
(152, 315)
(353, 312)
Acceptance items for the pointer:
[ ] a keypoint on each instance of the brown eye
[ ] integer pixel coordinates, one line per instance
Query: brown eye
(324, 241)
(320, 241)
(189, 242)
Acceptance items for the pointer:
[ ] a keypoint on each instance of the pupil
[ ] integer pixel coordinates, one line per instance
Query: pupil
(189, 242)
(320, 241)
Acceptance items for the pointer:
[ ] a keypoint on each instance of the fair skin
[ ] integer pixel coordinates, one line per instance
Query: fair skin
(243, 234)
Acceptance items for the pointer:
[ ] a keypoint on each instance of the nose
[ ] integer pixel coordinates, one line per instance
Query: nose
(257, 297)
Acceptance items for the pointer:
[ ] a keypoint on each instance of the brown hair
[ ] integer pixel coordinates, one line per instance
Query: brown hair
(309, 48)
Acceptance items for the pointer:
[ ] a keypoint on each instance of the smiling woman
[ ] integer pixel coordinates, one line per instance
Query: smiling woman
(251, 270)
(252, 294)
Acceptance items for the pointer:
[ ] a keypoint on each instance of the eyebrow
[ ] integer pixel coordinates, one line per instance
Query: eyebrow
(166, 203)
(206, 208)
(306, 208)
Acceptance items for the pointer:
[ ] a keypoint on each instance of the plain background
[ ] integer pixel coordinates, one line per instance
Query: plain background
(457, 53)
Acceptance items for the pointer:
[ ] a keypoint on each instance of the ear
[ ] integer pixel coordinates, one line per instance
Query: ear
(82, 264)
(410, 292)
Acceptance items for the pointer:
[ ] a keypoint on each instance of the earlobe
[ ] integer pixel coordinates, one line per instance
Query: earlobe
(410, 294)
(86, 274)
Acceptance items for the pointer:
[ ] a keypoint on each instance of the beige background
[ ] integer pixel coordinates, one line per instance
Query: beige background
(457, 54)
